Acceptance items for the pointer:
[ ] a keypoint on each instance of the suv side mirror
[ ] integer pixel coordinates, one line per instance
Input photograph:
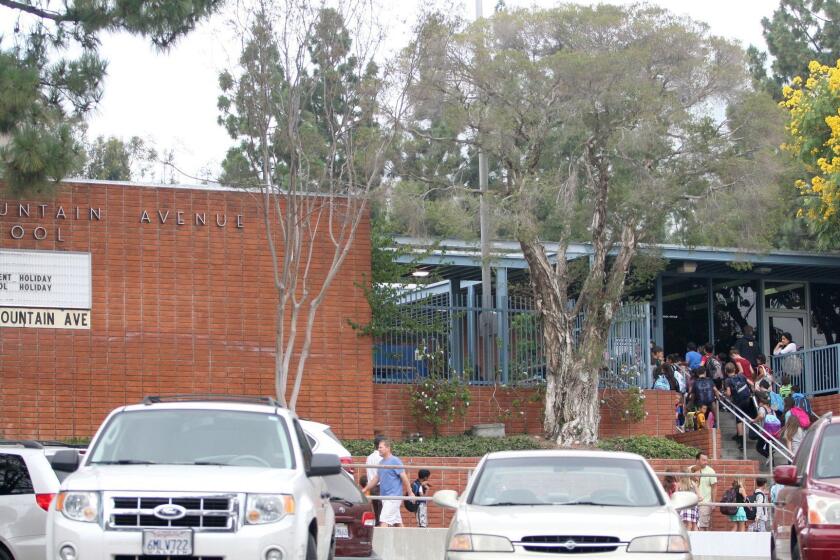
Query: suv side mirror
(65, 460)
(324, 464)
(786, 474)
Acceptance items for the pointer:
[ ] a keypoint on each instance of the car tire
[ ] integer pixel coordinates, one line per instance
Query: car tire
(311, 548)
(5, 555)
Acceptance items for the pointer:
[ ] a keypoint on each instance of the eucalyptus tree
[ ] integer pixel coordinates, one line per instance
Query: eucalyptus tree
(612, 126)
(314, 120)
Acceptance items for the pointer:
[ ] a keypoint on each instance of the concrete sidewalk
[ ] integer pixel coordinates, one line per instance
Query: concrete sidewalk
(428, 544)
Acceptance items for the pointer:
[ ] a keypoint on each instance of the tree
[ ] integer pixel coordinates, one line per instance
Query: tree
(307, 108)
(814, 129)
(604, 125)
(51, 75)
(113, 159)
(798, 32)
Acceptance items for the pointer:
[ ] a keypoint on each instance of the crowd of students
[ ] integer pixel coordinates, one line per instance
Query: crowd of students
(742, 375)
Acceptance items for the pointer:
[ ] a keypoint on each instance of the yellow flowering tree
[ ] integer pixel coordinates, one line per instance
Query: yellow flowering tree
(814, 128)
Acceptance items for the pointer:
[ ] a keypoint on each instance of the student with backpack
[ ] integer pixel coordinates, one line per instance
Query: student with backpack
(664, 379)
(738, 389)
(758, 515)
(793, 433)
(800, 400)
(420, 487)
(713, 365)
(767, 420)
(703, 393)
(792, 410)
(737, 515)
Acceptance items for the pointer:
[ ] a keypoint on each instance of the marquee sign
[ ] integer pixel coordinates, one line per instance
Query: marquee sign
(42, 288)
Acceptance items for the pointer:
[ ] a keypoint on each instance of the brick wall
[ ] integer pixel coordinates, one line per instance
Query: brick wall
(519, 412)
(701, 439)
(182, 308)
(457, 480)
(828, 403)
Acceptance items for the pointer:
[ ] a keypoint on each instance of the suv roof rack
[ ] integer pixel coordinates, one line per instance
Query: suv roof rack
(154, 399)
(27, 443)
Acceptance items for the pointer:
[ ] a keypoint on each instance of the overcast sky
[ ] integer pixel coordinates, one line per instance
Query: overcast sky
(170, 98)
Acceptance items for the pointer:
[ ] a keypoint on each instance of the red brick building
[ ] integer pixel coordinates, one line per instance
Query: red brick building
(180, 300)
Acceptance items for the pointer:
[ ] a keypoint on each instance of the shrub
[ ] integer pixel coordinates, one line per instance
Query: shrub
(450, 446)
(649, 447)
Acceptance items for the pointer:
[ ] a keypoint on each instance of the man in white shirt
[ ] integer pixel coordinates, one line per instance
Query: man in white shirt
(374, 459)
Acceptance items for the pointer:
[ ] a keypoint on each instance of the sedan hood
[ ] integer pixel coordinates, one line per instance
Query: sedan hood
(516, 522)
(180, 478)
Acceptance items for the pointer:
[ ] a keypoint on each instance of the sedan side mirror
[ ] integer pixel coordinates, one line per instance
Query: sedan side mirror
(446, 498)
(683, 500)
(786, 474)
(324, 464)
(65, 460)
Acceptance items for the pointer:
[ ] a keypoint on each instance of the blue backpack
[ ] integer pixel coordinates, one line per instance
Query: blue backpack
(777, 403)
(662, 384)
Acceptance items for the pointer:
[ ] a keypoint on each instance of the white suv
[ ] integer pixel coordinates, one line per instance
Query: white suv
(206, 478)
(27, 486)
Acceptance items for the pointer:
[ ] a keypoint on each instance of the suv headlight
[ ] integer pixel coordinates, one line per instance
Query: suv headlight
(78, 506)
(659, 543)
(823, 510)
(465, 542)
(268, 508)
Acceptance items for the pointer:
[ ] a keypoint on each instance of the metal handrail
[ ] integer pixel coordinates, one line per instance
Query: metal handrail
(775, 445)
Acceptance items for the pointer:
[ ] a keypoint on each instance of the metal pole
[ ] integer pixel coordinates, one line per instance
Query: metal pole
(487, 318)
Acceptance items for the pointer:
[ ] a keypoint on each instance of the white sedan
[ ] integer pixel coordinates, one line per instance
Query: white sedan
(528, 503)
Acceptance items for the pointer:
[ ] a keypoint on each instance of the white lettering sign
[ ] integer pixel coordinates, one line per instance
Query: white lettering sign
(48, 279)
(39, 318)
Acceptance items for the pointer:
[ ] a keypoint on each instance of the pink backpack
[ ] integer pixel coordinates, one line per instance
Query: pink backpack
(802, 416)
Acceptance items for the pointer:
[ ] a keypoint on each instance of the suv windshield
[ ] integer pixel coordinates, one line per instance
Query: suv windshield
(828, 459)
(568, 481)
(202, 437)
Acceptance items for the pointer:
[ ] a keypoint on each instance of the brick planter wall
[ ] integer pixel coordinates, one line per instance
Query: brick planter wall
(828, 403)
(457, 480)
(177, 306)
(701, 439)
(519, 412)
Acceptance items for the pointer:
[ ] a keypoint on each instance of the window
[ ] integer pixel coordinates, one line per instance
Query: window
(685, 313)
(825, 314)
(828, 457)
(735, 308)
(304, 446)
(342, 487)
(789, 296)
(14, 476)
(801, 459)
(565, 481)
(211, 437)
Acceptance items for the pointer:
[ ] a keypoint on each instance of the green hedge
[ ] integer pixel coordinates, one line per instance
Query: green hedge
(650, 447)
(453, 446)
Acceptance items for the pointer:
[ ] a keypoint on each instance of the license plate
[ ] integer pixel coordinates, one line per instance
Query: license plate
(341, 531)
(167, 542)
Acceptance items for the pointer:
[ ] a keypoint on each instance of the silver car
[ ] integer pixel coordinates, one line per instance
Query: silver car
(528, 503)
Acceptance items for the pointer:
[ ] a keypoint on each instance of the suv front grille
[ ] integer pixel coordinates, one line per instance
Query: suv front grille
(132, 557)
(203, 513)
(570, 544)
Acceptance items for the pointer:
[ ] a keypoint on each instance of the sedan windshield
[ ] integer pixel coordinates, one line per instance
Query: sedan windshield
(828, 459)
(570, 481)
(195, 437)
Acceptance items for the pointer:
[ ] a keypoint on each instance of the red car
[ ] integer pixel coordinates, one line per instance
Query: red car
(806, 521)
(354, 518)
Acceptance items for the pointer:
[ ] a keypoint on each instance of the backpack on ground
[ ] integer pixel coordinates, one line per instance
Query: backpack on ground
(777, 403)
(662, 383)
(714, 369)
(740, 389)
(772, 425)
(802, 416)
(704, 391)
(729, 497)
